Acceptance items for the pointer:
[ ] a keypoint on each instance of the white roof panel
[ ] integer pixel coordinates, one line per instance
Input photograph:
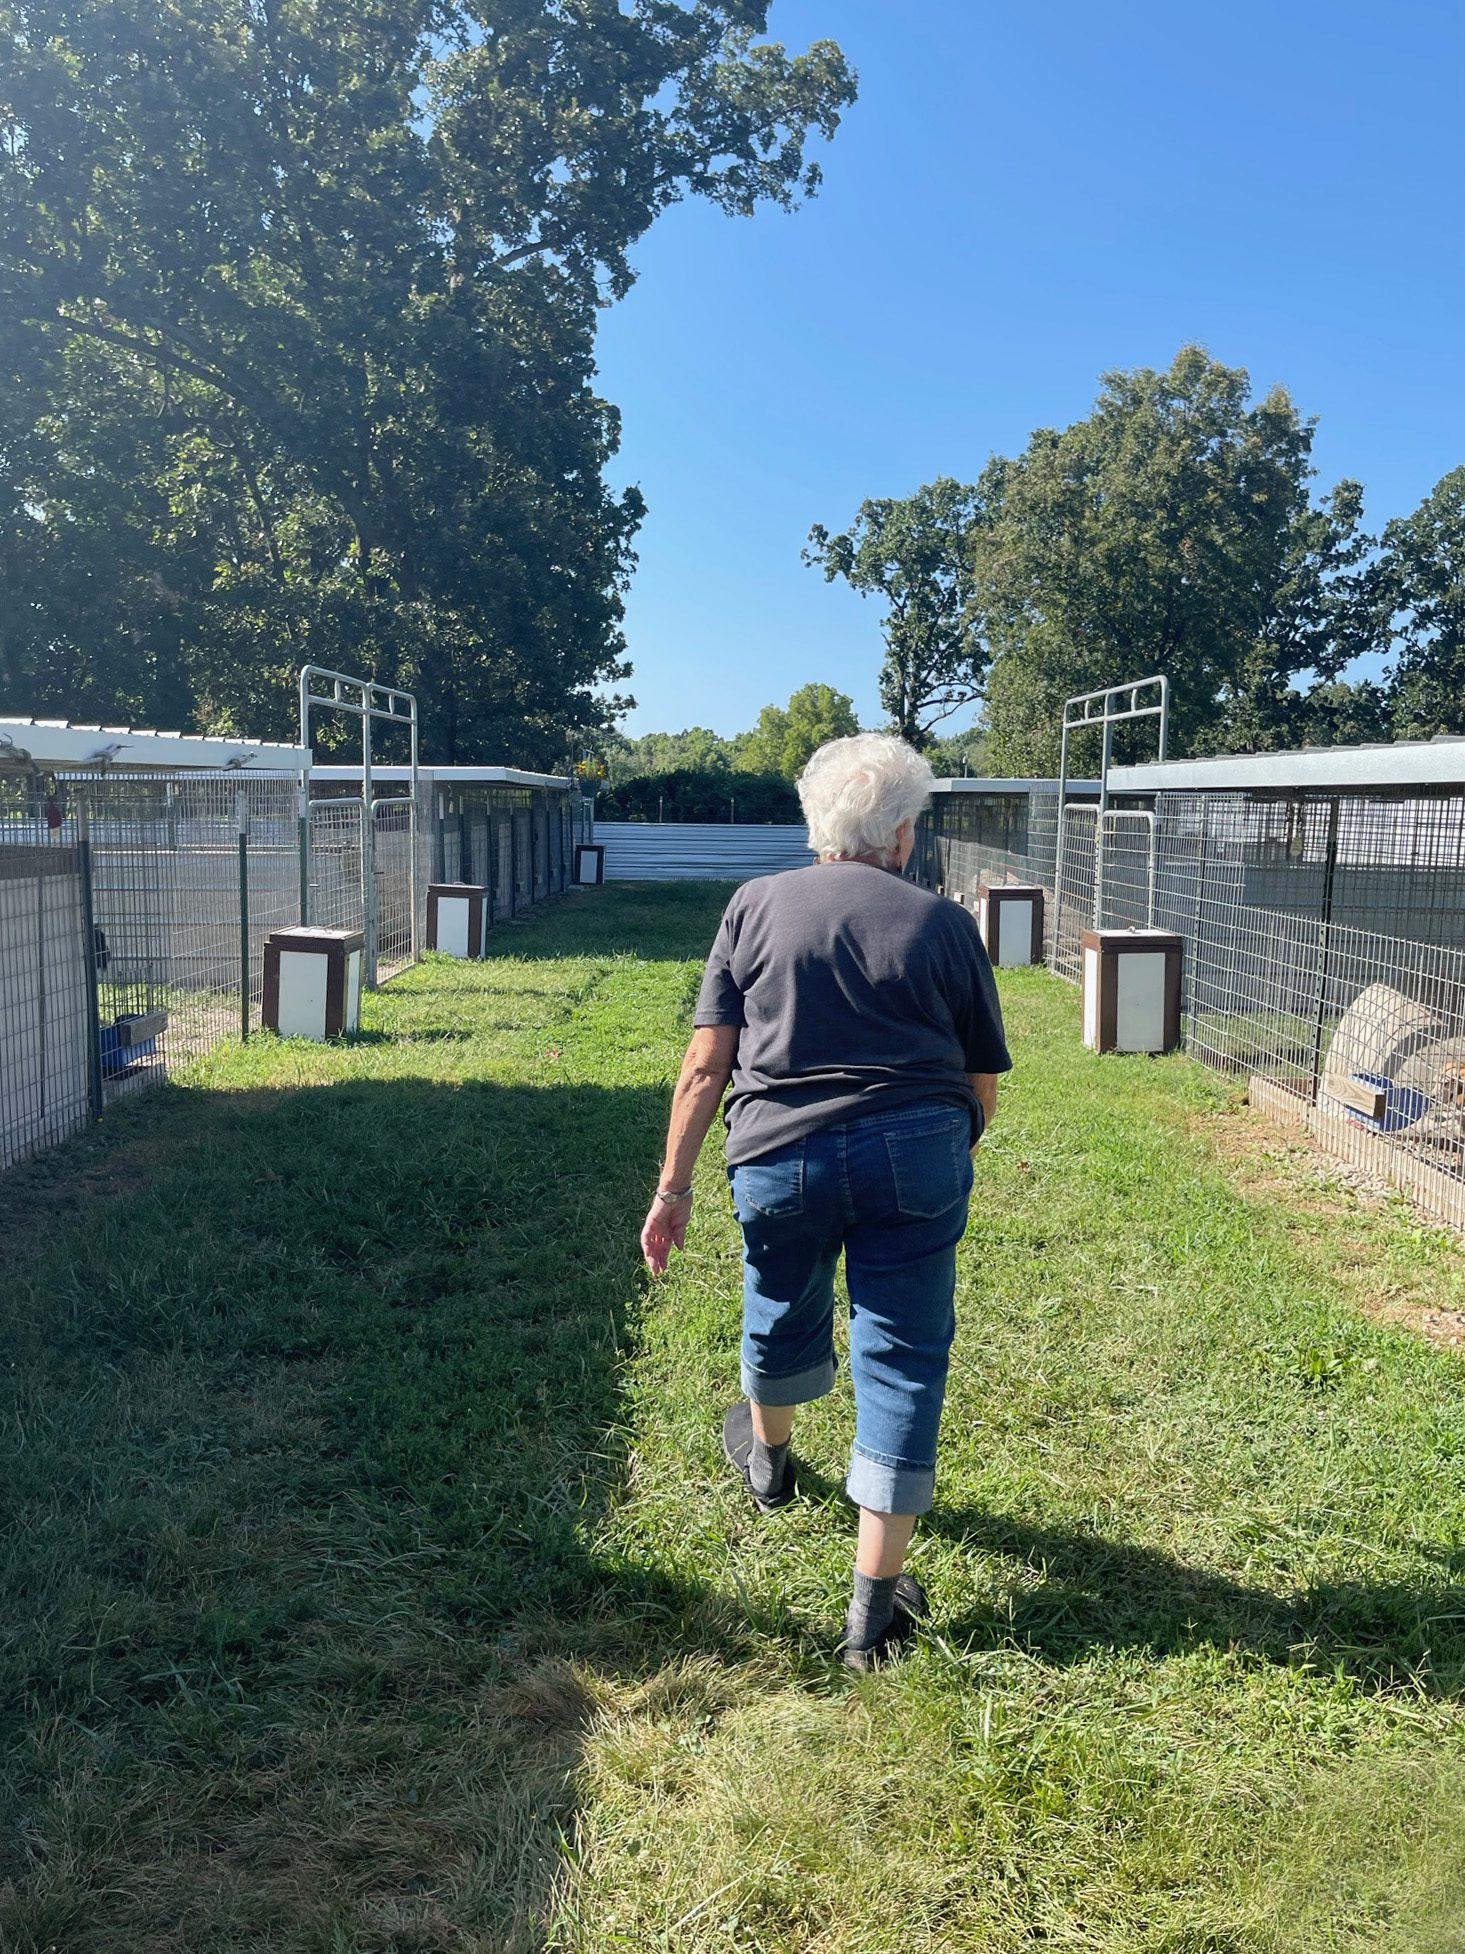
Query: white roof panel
(1026, 785)
(1356, 769)
(57, 745)
(447, 776)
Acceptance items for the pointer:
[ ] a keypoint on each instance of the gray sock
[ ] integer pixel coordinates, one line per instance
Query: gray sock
(871, 1609)
(766, 1466)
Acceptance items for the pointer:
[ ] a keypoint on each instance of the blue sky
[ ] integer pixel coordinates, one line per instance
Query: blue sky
(1024, 196)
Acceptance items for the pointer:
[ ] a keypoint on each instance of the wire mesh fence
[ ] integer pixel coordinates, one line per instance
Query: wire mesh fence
(49, 1078)
(1324, 947)
(396, 934)
(334, 898)
(134, 911)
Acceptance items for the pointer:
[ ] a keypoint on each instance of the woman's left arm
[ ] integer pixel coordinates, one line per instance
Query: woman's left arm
(705, 1072)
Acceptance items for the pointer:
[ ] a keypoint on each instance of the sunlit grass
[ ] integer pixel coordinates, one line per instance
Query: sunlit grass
(374, 1583)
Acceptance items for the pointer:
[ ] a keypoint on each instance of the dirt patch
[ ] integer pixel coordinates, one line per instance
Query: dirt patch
(1343, 1209)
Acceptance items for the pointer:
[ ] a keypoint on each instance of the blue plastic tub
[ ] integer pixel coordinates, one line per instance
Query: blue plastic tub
(131, 1037)
(1403, 1105)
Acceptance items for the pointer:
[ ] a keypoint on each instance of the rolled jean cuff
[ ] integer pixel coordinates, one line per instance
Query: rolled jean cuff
(799, 1387)
(885, 1488)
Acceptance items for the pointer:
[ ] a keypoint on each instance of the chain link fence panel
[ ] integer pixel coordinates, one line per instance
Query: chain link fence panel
(1324, 945)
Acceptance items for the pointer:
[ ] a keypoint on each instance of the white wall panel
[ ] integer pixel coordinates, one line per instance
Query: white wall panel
(675, 851)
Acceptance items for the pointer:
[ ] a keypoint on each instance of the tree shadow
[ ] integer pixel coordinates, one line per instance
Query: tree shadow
(323, 1394)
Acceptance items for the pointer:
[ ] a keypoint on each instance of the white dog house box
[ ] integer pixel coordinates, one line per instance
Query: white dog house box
(1010, 918)
(457, 918)
(1131, 990)
(312, 982)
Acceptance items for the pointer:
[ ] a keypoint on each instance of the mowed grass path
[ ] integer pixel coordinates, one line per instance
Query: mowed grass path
(373, 1584)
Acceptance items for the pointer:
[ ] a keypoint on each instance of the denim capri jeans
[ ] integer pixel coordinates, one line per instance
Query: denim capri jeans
(890, 1190)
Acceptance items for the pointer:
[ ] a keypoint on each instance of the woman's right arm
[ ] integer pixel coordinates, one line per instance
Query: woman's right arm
(984, 1085)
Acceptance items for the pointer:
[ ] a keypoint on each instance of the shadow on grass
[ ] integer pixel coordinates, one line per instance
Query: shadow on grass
(1094, 1594)
(320, 1394)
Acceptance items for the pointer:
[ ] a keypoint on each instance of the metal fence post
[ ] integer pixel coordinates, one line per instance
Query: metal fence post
(1193, 950)
(244, 984)
(304, 856)
(368, 861)
(89, 936)
(1325, 946)
(1058, 844)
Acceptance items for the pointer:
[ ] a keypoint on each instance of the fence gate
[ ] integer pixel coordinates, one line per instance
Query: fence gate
(333, 896)
(1124, 870)
(392, 817)
(1073, 905)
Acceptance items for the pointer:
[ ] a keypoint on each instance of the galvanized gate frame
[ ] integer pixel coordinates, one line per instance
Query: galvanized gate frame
(1102, 708)
(366, 701)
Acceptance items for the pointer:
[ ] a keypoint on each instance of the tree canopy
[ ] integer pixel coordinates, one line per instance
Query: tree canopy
(1419, 585)
(696, 749)
(1171, 530)
(1176, 528)
(915, 553)
(785, 736)
(689, 794)
(297, 318)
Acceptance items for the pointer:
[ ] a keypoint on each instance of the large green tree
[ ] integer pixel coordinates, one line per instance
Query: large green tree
(914, 553)
(297, 317)
(785, 736)
(708, 794)
(1419, 582)
(697, 749)
(959, 756)
(1171, 530)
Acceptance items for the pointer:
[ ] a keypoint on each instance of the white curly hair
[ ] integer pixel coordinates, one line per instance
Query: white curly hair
(856, 793)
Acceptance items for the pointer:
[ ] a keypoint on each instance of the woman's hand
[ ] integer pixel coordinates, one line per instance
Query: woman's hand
(665, 1229)
(984, 1085)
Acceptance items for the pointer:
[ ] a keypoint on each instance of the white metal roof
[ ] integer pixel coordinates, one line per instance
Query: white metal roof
(447, 776)
(55, 744)
(1404, 764)
(1027, 785)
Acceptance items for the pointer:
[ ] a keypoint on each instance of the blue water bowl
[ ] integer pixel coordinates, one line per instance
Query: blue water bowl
(1403, 1105)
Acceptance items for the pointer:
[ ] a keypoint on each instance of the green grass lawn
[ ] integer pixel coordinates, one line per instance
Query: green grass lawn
(373, 1583)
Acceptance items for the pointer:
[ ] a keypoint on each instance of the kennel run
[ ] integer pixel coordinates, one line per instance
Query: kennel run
(141, 873)
(1320, 896)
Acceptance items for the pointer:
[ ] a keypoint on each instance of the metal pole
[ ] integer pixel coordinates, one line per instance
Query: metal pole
(1058, 862)
(303, 812)
(244, 985)
(1192, 954)
(1164, 716)
(89, 933)
(1107, 755)
(368, 859)
(1325, 946)
(304, 825)
(412, 840)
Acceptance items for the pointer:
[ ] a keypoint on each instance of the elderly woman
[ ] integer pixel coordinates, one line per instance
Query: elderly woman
(856, 1018)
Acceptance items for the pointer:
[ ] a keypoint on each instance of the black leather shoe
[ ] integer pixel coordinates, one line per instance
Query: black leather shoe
(737, 1443)
(911, 1606)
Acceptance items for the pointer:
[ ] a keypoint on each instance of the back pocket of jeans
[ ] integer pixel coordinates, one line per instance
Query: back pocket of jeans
(771, 1187)
(932, 1169)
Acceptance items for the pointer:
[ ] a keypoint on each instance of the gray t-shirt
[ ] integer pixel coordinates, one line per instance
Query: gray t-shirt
(857, 992)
